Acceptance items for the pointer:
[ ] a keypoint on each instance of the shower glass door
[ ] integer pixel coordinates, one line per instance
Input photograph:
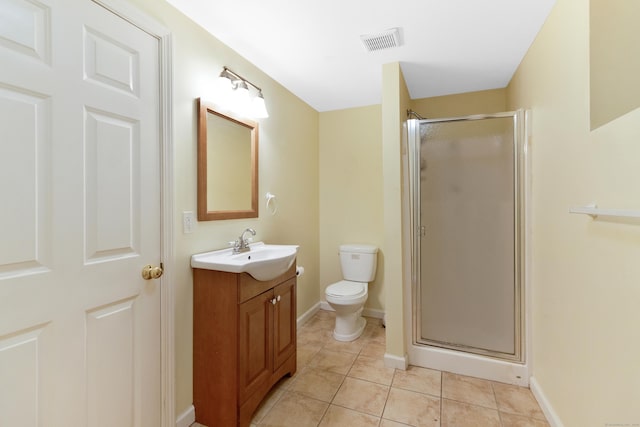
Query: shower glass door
(466, 209)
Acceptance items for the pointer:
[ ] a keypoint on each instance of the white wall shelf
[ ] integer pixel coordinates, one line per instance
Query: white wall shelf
(594, 212)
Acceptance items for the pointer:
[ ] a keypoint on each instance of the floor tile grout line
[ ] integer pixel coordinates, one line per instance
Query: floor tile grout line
(344, 377)
(415, 391)
(355, 410)
(386, 400)
(324, 414)
(471, 404)
(495, 397)
(270, 408)
(441, 396)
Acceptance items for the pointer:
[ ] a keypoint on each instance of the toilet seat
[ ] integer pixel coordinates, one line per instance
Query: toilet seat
(346, 289)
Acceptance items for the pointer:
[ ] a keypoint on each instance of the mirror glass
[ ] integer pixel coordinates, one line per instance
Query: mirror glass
(227, 165)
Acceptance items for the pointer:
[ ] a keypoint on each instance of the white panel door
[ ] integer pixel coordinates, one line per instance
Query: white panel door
(79, 217)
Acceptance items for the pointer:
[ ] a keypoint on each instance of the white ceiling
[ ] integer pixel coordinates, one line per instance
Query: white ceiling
(313, 48)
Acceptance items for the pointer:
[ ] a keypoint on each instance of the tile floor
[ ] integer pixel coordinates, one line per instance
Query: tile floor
(347, 384)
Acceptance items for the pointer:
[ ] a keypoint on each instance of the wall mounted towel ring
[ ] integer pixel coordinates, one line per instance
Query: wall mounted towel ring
(272, 205)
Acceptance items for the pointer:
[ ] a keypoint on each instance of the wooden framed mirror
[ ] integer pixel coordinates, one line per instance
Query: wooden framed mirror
(227, 165)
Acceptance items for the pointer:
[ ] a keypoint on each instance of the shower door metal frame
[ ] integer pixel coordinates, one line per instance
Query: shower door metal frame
(413, 130)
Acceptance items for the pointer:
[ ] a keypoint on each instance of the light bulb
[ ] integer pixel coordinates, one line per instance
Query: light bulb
(258, 107)
(222, 89)
(240, 103)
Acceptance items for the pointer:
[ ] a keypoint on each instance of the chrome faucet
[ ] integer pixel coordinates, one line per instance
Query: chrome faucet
(242, 244)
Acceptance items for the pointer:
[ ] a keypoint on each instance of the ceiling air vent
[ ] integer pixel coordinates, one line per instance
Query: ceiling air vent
(382, 40)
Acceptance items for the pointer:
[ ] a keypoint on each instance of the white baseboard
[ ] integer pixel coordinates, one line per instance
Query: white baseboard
(308, 315)
(545, 405)
(373, 312)
(187, 418)
(325, 306)
(397, 362)
(369, 312)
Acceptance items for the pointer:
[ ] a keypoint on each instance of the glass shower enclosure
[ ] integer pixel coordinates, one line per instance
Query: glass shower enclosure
(466, 185)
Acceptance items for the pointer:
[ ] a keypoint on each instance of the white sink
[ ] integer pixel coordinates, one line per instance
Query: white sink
(263, 262)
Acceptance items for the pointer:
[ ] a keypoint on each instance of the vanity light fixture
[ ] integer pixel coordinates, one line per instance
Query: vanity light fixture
(233, 94)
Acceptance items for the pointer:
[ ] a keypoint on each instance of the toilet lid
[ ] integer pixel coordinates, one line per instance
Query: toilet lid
(345, 288)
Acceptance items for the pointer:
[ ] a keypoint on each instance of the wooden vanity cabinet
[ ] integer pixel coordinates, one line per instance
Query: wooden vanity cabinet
(244, 341)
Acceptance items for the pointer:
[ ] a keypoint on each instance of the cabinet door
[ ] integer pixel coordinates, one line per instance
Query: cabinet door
(284, 327)
(256, 343)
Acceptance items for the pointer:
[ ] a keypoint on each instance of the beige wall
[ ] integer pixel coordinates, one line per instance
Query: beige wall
(463, 104)
(586, 289)
(288, 168)
(351, 197)
(614, 60)
(395, 102)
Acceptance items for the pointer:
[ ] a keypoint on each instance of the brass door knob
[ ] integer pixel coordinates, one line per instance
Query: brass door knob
(150, 272)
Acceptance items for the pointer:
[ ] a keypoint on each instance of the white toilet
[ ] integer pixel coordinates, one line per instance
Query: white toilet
(347, 297)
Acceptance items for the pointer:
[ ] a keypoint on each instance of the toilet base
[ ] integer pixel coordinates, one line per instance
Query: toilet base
(345, 330)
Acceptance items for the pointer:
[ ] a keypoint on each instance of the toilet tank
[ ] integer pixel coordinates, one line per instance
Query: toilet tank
(358, 262)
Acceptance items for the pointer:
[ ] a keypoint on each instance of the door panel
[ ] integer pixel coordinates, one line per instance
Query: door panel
(25, 28)
(111, 63)
(79, 176)
(284, 322)
(256, 348)
(19, 367)
(468, 278)
(112, 189)
(26, 142)
(111, 365)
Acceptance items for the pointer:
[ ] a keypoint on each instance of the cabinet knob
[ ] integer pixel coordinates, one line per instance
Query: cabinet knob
(278, 298)
(274, 301)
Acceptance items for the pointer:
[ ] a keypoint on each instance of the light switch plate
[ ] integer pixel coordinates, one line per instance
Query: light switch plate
(188, 222)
